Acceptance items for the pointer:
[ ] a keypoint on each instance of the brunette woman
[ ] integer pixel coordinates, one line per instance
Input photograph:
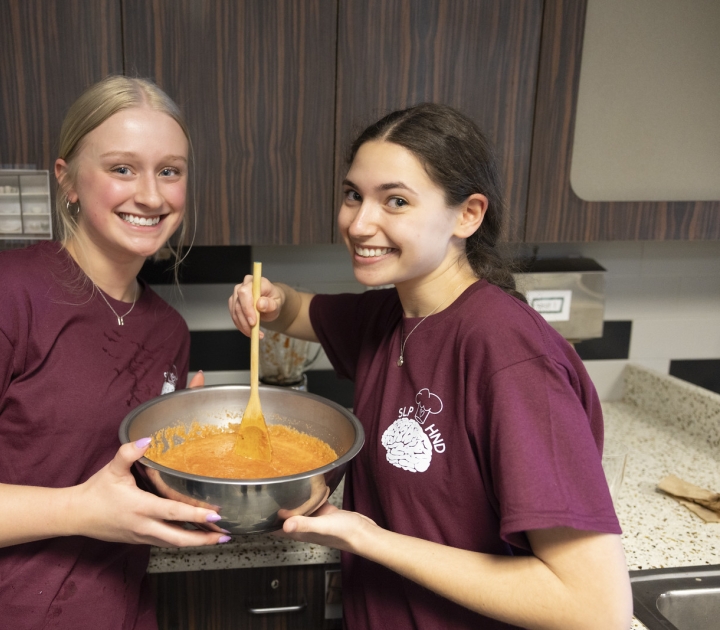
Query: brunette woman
(478, 500)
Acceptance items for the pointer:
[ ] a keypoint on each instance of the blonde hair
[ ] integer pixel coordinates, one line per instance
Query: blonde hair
(94, 106)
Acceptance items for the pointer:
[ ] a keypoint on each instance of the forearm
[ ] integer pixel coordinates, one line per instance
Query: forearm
(30, 513)
(520, 590)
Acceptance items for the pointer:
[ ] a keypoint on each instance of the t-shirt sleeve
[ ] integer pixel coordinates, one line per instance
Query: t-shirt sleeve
(337, 321)
(545, 461)
(13, 333)
(7, 358)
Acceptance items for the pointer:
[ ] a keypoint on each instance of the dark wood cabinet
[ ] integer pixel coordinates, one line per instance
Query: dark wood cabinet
(49, 53)
(478, 56)
(554, 212)
(267, 598)
(256, 80)
(275, 91)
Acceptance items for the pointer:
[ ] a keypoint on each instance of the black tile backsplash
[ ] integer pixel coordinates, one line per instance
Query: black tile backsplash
(614, 343)
(219, 350)
(702, 372)
(203, 265)
(327, 384)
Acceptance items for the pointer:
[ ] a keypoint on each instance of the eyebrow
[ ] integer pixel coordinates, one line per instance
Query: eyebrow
(130, 154)
(388, 186)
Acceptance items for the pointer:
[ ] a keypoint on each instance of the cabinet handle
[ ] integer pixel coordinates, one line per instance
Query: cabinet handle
(277, 609)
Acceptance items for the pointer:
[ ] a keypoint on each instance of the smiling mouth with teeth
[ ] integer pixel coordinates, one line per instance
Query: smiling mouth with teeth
(369, 252)
(133, 220)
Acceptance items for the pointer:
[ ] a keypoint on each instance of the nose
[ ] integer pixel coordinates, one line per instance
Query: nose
(363, 223)
(147, 192)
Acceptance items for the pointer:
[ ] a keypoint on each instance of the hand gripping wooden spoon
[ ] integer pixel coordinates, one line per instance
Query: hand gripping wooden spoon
(252, 439)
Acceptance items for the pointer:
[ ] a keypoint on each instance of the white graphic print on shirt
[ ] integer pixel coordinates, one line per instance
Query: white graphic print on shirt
(171, 378)
(408, 445)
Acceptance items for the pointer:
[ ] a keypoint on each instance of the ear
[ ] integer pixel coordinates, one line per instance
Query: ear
(61, 174)
(472, 213)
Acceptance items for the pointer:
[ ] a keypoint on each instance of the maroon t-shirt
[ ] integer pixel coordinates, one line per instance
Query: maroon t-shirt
(69, 374)
(491, 428)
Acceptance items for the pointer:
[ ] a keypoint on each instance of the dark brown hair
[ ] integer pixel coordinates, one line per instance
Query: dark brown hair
(458, 158)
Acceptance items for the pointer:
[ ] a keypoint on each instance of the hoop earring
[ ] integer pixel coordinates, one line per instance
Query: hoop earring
(70, 212)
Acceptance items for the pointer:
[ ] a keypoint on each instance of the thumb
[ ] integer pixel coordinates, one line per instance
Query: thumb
(265, 305)
(197, 381)
(127, 455)
(296, 524)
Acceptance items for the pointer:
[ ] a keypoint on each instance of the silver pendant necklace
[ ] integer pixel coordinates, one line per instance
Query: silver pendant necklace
(120, 318)
(403, 343)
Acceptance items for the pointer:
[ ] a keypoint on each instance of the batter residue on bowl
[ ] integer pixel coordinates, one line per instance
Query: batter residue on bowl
(208, 451)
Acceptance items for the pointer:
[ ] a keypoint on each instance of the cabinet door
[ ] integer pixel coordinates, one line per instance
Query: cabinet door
(268, 598)
(256, 80)
(49, 53)
(479, 56)
(555, 213)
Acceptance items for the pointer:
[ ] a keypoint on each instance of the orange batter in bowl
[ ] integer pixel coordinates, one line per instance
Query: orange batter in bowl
(208, 451)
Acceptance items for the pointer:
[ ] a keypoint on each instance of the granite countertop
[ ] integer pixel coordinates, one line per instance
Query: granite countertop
(668, 426)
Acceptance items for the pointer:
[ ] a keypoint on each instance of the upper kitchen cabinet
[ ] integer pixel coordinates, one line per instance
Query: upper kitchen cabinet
(256, 81)
(479, 56)
(49, 53)
(620, 149)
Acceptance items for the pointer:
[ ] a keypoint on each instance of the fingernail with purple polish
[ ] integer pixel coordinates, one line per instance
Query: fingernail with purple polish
(143, 442)
(213, 518)
(223, 539)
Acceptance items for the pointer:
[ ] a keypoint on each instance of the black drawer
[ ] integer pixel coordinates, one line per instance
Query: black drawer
(267, 598)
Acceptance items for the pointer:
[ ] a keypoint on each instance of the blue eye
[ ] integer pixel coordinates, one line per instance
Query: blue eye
(169, 172)
(122, 170)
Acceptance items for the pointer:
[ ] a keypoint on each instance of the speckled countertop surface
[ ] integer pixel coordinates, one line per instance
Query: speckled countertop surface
(668, 426)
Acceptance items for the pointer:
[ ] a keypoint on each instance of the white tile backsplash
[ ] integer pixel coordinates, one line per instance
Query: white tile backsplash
(695, 337)
(607, 378)
(204, 306)
(669, 290)
(629, 297)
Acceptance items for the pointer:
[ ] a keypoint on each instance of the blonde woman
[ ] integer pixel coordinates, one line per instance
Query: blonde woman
(82, 342)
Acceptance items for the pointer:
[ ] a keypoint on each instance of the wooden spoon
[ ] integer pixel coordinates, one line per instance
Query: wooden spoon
(253, 440)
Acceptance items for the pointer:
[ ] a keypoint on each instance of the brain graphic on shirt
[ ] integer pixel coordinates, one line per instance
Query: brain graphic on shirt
(407, 445)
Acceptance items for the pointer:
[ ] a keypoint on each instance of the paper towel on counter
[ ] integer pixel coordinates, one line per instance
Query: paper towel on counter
(704, 503)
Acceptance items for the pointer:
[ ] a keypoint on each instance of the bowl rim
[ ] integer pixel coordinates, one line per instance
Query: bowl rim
(343, 460)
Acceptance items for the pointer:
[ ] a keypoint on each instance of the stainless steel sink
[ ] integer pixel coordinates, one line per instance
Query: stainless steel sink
(686, 598)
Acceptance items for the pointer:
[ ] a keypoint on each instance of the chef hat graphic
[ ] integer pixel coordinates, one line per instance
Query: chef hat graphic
(427, 403)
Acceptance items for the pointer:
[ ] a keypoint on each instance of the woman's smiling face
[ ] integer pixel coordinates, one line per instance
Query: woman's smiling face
(395, 220)
(131, 181)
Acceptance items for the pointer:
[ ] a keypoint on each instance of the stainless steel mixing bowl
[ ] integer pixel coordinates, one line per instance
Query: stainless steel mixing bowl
(250, 506)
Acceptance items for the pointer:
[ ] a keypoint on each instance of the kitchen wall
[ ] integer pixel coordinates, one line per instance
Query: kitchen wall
(662, 308)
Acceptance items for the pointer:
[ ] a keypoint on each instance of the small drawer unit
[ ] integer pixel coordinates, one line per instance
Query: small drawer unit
(25, 205)
(301, 597)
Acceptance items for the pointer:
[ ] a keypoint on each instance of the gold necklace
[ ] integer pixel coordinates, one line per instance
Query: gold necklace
(120, 318)
(401, 359)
